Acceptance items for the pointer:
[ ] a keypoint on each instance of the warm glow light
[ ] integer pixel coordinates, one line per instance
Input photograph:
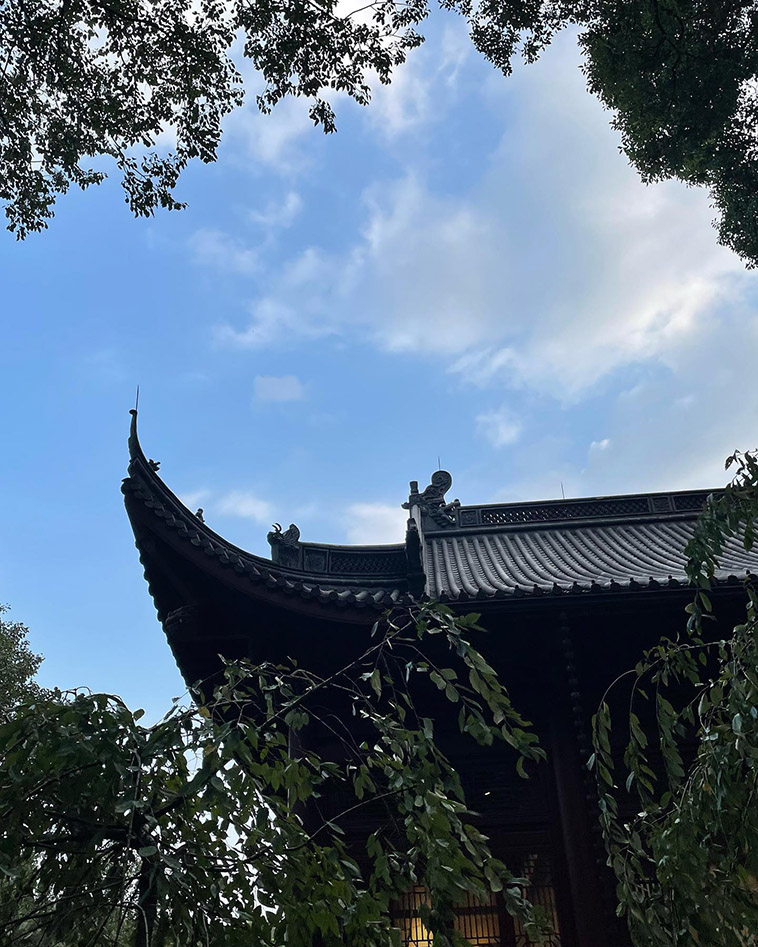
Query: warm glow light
(478, 923)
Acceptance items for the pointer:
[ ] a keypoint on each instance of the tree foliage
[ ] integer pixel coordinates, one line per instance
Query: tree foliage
(209, 826)
(682, 835)
(84, 78)
(681, 77)
(18, 665)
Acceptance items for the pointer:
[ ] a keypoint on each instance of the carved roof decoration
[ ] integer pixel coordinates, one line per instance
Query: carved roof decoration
(453, 552)
(285, 546)
(431, 503)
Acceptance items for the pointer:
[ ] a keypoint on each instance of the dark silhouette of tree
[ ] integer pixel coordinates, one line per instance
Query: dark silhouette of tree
(209, 827)
(678, 801)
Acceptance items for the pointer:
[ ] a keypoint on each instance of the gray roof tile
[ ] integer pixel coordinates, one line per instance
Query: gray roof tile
(569, 558)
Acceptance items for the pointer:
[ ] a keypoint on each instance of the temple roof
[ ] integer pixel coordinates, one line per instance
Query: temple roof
(451, 552)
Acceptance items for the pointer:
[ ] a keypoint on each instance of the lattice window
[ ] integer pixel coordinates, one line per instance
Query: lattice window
(486, 924)
(405, 917)
(537, 870)
(478, 923)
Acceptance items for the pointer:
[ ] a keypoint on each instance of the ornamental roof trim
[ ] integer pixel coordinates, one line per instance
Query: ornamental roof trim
(605, 509)
(437, 516)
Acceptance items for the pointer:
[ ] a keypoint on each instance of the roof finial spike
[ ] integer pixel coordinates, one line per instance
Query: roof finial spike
(439, 463)
(136, 400)
(563, 492)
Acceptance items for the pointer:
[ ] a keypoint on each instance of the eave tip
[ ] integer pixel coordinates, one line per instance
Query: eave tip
(134, 448)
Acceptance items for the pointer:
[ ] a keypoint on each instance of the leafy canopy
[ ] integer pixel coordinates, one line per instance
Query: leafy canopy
(222, 823)
(85, 78)
(18, 665)
(682, 833)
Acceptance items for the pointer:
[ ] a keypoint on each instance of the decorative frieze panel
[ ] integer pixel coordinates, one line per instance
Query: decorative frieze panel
(536, 513)
(314, 560)
(690, 503)
(288, 551)
(367, 563)
(561, 511)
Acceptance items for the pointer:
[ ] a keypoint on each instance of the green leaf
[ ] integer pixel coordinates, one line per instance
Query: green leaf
(451, 693)
(438, 680)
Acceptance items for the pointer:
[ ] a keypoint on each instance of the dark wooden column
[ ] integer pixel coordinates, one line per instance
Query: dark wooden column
(569, 751)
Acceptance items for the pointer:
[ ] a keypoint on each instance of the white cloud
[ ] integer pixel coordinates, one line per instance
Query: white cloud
(457, 49)
(166, 140)
(246, 505)
(278, 388)
(555, 268)
(279, 214)
(549, 270)
(552, 286)
(273, 322)
(375, 523)
(301, 307)
(271, 140)
(499, 427)
(422, 88)
(194, 498)
(599, 446)
(675, 427)
(216, 248)
(669, 428)
(422, 262)
(405, 103)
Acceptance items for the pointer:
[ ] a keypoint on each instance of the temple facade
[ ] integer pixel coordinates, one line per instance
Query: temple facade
(570, 592)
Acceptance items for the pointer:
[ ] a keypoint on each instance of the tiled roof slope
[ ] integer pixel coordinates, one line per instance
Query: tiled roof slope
(555, 547)
(576, 558)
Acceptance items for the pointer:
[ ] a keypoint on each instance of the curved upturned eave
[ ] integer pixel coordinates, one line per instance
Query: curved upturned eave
(153, 506)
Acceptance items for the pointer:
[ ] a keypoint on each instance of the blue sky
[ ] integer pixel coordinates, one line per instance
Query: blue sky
(467, 270)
